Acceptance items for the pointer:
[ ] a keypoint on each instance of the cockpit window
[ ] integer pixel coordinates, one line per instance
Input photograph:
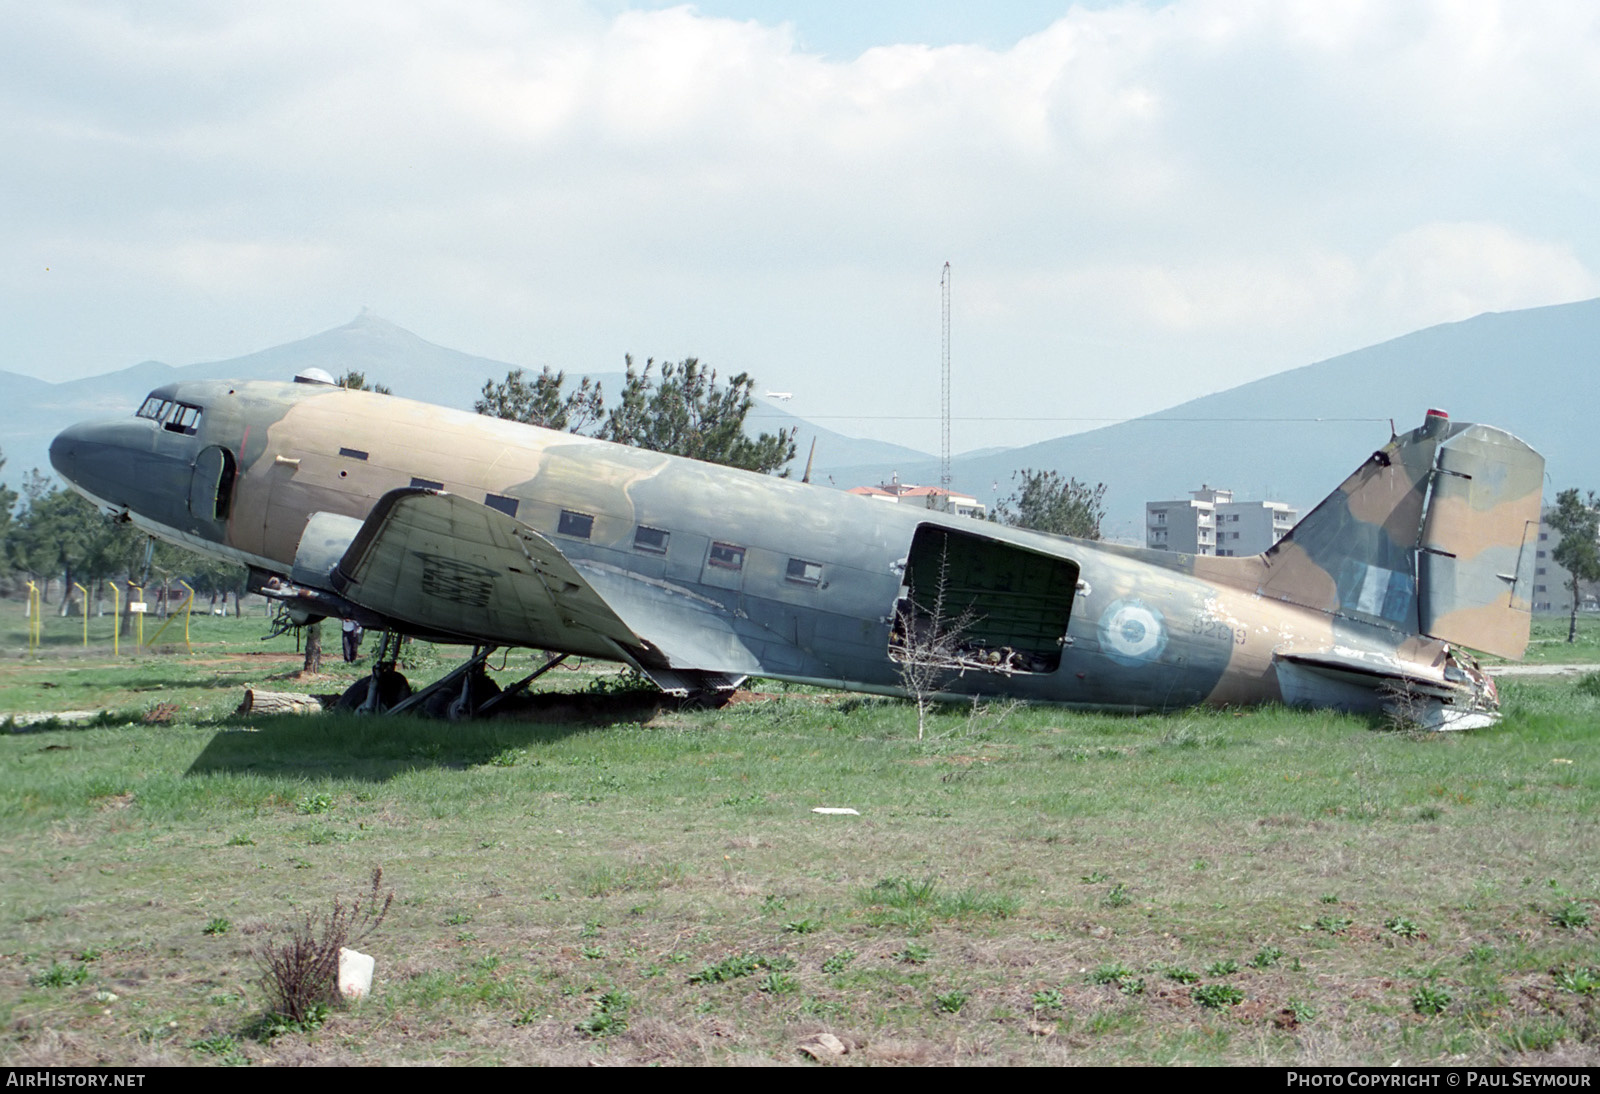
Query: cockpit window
(177, 417)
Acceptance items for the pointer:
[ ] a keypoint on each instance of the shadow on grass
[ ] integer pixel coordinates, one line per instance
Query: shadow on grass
(379, 747)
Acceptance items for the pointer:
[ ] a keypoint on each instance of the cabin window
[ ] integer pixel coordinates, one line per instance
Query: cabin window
(353, 453)
(653, 540)
(726, 556)
(577, 525)
(426, 484)
(506, 505)
(154, 408)
(802, 572)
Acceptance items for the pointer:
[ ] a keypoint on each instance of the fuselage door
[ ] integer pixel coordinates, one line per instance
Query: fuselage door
(211, 484)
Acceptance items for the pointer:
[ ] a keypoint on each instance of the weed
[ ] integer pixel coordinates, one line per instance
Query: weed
(60, 976)
(458, 919)
(1226, 967)
(778, 983)
(1266, 957)
(1329, 898)
(729, 968)
(1217, 996)
(1480, 954)
(951, 1002)
(838, 962)
(591, 928)
(913, 954)
(90, 954)
(301, 972)
(1428, 1000)
(1182, 975)
(1110, 974)
(1580, 979)
(241, 840)
(1048, 999)
(801, 926)
(1093, 878)
(1571, 915)
(1403, 927)
(1300, 1010)
(1534, 1036)
(507, 757)
(1333, 924)
(314, 804)
(610, 1014)
(593, 953)
(1118, 897)
(224, 1048)
(218, 925)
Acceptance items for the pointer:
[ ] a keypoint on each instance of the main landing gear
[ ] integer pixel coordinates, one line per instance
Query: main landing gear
(468, 691)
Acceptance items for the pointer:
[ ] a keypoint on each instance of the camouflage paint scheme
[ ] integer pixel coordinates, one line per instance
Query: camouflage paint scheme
(522, 536)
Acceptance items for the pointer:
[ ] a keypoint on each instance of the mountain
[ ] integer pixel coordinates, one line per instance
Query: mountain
(33, 411)
(1294, 436)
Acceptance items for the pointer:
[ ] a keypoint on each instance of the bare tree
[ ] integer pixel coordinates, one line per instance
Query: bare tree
(927, 641)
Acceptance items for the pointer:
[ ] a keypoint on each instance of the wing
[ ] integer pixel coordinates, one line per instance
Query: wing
(446, 565)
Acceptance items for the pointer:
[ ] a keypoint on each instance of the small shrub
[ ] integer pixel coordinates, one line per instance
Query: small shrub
(1217, 996)
(1428, 1000)
(301, 972)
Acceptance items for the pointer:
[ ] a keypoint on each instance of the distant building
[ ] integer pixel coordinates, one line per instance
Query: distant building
(1210, 522)
(1552, 584)
(926, 497)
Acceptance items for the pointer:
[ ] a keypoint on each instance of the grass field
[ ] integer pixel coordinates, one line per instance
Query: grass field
(652, 886)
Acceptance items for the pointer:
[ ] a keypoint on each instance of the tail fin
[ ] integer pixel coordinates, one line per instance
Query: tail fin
(1435, 534)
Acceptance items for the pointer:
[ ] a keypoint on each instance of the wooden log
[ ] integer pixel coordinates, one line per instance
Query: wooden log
(278, 702)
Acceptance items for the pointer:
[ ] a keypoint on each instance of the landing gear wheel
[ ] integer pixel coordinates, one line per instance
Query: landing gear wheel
(392, 687)
(706, 699)
(448, 704)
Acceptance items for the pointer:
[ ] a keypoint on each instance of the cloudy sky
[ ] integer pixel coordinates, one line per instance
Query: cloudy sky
(1140, 202)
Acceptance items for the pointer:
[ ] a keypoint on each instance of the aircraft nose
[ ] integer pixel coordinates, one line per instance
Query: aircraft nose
(107, 460)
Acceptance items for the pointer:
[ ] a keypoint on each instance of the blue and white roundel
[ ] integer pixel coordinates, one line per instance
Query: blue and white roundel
(1131, 632)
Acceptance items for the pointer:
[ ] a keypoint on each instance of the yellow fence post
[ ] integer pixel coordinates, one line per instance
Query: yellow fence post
(85, 593)
(137, 607)
(187, 605)
(33, 616)
(116, 619)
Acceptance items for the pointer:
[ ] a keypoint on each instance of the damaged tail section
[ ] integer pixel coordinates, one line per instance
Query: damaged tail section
(1435, 534)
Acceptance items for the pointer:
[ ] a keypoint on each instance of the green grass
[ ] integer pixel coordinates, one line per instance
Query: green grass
(648, 892)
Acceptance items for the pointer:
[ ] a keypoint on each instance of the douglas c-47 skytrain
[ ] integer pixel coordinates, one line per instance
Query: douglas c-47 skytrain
(458, 528)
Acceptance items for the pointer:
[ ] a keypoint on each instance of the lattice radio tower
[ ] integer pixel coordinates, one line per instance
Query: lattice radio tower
(944, 388)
